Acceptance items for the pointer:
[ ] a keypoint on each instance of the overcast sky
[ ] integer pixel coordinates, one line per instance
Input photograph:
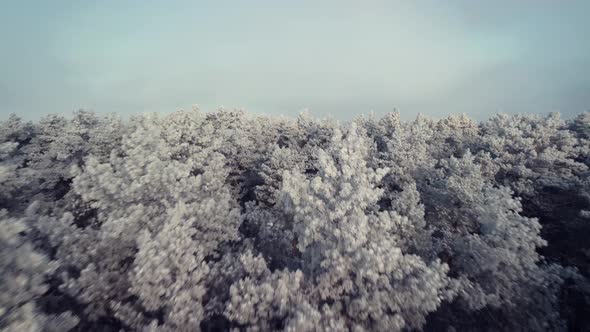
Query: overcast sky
(342, 58)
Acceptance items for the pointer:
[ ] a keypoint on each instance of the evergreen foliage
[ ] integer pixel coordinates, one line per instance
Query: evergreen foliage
(224, 221)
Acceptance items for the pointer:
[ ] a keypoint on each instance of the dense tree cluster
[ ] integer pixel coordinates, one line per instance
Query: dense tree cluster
(225, 221)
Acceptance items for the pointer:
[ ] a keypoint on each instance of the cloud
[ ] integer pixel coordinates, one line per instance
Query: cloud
(333, 57)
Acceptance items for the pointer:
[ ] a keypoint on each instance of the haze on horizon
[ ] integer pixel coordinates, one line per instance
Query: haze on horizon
(339, 58)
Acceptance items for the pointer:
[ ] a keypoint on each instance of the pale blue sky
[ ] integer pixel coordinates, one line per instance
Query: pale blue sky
(342, 58)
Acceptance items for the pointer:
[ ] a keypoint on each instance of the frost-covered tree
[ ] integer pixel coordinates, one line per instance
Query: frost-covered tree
(15, 135)
(58, 145)
(22, 281)
(349, 250)
(10, 180)
(144, 197)
(531, 147)
(227, 221)
(281, 159)
(490, 247)
(37, 159)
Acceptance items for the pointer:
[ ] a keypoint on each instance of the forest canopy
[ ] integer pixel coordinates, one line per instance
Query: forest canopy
(227, 221)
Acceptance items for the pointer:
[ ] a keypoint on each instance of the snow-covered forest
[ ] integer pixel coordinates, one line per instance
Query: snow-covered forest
(226, 221)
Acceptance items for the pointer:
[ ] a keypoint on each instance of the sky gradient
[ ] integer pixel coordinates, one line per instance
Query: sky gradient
(339, 58)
